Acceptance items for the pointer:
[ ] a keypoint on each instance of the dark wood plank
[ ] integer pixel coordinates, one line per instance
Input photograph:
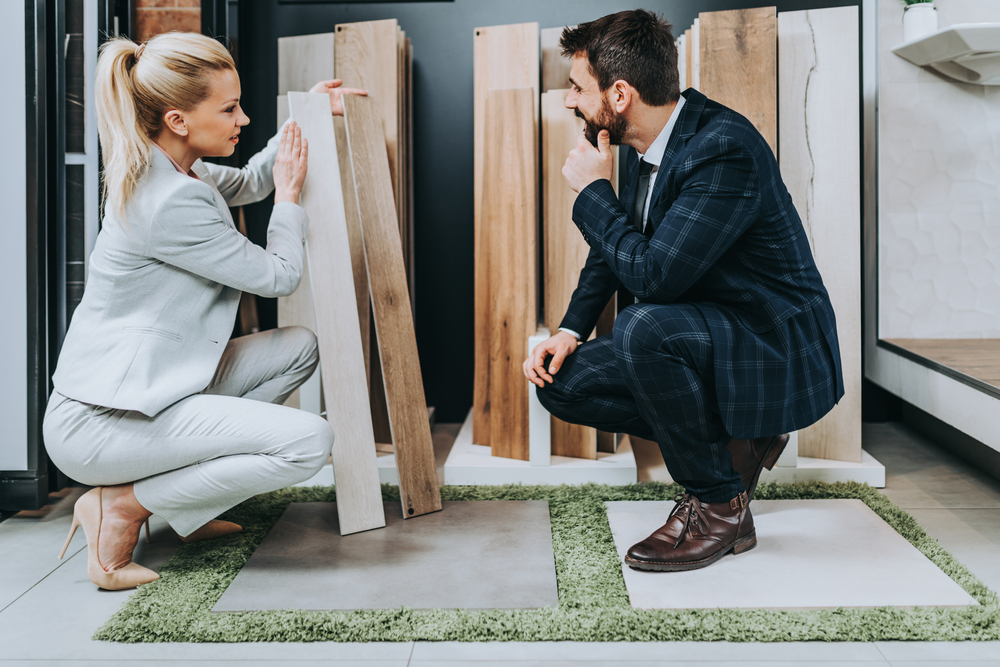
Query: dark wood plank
(411, 434)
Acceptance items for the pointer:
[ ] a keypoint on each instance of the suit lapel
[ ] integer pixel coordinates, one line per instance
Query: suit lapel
(685, 128)
(199, 168)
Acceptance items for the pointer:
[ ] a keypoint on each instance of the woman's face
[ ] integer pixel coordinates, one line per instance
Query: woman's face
(214, 125)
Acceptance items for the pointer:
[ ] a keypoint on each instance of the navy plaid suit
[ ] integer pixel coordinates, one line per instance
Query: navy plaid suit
(734, 335)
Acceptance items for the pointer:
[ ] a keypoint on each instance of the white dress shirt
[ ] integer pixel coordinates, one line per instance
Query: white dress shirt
(655, 153)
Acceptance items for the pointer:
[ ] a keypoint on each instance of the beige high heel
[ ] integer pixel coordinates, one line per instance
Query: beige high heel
(211, 530)
(88, 513)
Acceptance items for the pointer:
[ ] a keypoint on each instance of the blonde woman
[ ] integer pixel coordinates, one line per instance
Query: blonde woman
(152, 403)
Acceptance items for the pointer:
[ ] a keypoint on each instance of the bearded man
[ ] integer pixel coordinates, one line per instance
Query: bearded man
(729, 340)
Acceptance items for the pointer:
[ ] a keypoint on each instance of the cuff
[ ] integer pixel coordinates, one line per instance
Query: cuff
(570, 332)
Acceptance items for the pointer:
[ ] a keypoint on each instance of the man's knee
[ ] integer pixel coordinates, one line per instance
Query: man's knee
(642, 330)
(631, 332)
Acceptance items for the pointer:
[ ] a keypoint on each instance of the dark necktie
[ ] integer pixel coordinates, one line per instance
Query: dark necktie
(641, 191)
(625, 297)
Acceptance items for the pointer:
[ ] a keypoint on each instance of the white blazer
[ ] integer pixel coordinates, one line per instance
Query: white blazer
(164, 287)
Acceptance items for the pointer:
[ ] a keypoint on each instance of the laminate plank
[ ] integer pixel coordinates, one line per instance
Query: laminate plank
(688, 58)
(359, 497)
(977, 358)
(737, 65)
(696, 55)
(555, 68)
(411, 434)
(249, 322)
(565, 250)
(408, 183)
(820, 162)
(296, 309)
(504, 57)
(682, 62)
(303, 61)
(510, 204)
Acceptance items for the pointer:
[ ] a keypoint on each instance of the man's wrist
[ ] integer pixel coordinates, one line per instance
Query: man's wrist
(570, 332)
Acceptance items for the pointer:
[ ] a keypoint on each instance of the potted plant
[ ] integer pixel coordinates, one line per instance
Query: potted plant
(919, 19)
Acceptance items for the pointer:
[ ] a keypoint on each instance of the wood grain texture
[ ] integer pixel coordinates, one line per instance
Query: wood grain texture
(820, 163)
(510, 219)
(565, 250)
(296, 309)
(695, 56)
(977, 358)
(249, 322)
(737, 65)
(688, 58)
(359, 497)
(504, 57)
(411, 434)
(411, 232)
(682, 62)
(304, 61)
(367, 56)
(555, 68)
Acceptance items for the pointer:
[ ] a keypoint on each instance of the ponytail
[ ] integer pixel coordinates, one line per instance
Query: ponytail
(135, 86)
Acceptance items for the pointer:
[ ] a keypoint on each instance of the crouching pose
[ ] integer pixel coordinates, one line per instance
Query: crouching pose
(728, 340)
(153, 401)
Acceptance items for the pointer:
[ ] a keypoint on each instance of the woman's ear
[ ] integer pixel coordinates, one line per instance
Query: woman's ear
(174, 121)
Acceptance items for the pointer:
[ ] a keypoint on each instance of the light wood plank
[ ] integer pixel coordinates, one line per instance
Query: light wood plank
(505, 57)
(565, 250)
(682, 62)
(688, 59)
(821, 166)
(304, 61)
(359, 497)
(510, 205)
(738, 64)
(411, 264)
(249, 322)
(696, 55)
(555, 68)
(411, 434)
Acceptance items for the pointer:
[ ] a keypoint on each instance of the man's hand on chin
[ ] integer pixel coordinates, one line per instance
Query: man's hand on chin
(587, 164)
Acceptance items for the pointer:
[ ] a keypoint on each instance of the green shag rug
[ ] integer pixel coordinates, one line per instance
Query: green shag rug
(593, 602)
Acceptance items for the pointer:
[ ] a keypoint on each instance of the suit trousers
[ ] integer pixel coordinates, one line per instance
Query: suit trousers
(208, 452)
(653, 378)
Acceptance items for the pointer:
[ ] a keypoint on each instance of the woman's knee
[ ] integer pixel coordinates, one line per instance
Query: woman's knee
(305, 341)
(313, 440)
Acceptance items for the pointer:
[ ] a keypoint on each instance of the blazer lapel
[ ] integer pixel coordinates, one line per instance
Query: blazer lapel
(686, 127)
(199, 168)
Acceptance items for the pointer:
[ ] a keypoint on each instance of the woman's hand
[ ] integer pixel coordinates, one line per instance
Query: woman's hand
(333, 87)
(291, 164)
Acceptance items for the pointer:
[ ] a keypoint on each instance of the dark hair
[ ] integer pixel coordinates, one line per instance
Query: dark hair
(636, 46)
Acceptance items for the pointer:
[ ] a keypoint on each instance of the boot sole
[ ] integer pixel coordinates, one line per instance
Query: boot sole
(771, 456)
(739, 546)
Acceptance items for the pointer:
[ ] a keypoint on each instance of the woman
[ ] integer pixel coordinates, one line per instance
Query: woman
(152, 400)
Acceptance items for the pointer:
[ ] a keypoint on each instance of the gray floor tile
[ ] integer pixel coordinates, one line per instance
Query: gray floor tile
(472, 555)
(782, 652)
(865, 563)
(970, 536)
(281, 662)
(940, 652)
(628, 663)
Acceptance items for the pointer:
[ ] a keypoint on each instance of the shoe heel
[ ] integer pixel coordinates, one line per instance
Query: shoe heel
(72, 531)
(776, 450)
(745, 544)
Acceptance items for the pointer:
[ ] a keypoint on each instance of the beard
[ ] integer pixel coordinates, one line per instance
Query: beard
(605, 119)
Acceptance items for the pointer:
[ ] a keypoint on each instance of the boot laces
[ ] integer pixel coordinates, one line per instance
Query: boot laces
(691, 507)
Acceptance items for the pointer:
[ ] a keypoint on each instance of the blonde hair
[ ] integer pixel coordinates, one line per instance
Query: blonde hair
(135, 86)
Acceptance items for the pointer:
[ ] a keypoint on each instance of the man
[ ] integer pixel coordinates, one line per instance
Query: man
(729, 338)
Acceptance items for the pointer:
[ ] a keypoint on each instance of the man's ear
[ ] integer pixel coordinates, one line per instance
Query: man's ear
(621, 95)
(174, 121)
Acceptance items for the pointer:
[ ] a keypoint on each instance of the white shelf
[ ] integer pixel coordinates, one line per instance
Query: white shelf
(966, 52)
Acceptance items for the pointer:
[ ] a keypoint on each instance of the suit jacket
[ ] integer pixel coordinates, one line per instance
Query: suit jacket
(164, 286)
(726, 238)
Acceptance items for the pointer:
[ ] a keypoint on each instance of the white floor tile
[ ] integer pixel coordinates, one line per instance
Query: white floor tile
(940, 652)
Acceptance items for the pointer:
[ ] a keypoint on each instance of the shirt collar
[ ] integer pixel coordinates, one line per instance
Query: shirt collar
(659, 145)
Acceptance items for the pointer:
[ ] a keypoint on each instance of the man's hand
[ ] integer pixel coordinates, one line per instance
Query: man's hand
(587, 164)
(558, 347)
(333, 87)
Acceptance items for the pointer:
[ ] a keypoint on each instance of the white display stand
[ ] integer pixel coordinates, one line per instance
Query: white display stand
(794, 468)
(385, 461)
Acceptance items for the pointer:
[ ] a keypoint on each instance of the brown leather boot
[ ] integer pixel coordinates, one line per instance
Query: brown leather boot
(696, 535)
(750, 457)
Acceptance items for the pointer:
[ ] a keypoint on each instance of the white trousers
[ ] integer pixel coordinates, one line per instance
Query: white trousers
(207, 452)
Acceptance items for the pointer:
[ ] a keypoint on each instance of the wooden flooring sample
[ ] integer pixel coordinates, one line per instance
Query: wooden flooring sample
(978, 358)
(359, 496)
(505, 57)
(510, 240)
(738, 64)
(820, 163)
(565, 250)
(411, 433)
(688, 59)
(304, 61)
(555, 68)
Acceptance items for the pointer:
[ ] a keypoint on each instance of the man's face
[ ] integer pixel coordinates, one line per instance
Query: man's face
(593, 106)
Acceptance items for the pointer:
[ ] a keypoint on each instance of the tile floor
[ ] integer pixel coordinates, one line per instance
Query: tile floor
(48, 609)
